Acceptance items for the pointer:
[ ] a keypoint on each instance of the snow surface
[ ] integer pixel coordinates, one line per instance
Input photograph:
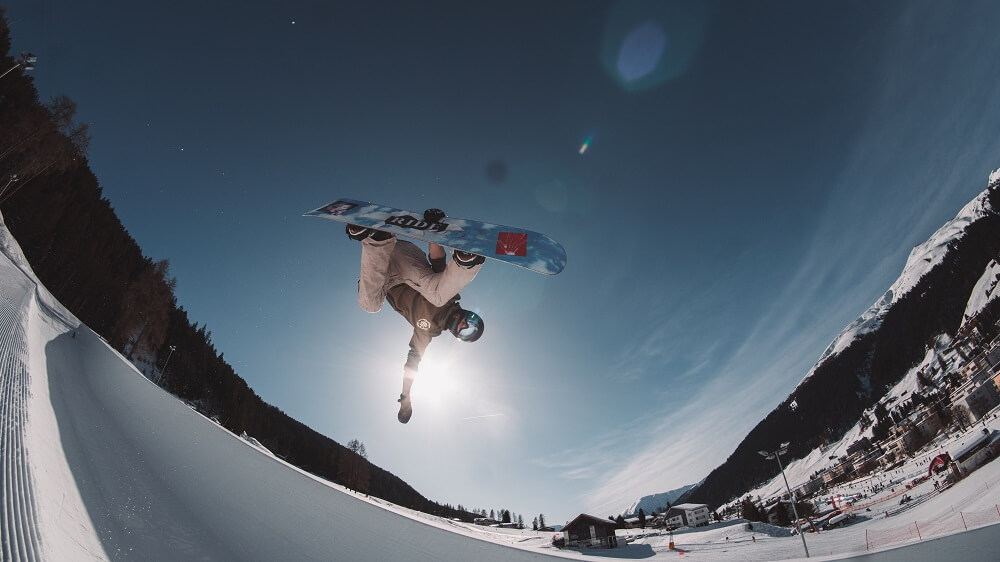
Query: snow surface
(984, 291)
(98, 463)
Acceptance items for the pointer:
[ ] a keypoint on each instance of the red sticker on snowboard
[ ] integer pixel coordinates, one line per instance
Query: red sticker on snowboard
(512, 244)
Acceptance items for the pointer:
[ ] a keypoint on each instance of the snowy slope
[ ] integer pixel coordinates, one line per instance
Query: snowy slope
(922, 259)
(986, 290)
(652, 503)
(801, 470)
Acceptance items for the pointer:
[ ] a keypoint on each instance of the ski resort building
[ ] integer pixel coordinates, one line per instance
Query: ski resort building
(977, 452)
(691, 514)
(979, 393)
(669, 520)
(589, 531)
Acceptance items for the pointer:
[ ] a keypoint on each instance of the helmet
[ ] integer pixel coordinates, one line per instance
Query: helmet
(466, 325)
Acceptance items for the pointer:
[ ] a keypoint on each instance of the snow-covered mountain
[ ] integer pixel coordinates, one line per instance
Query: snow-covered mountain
(922, 259)
(655, 502)
(985, 291)
(878, 351)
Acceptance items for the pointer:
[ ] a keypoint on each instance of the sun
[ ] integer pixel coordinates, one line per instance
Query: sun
(437, 383)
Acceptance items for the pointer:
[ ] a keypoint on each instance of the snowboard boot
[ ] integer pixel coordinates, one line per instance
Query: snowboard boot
(405, 409)
(359, 233)
(467, 260)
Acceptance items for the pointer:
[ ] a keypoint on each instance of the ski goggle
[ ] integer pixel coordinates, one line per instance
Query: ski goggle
(469, 327)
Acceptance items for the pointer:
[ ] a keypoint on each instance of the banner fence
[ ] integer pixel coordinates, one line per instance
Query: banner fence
(922, 530)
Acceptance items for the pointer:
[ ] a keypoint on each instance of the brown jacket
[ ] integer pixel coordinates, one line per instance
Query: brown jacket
(399, 272)
(428, 321)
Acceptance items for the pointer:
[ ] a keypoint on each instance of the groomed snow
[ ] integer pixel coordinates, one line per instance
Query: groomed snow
(98, 463)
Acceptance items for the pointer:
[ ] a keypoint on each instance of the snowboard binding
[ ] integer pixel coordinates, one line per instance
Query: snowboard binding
(464, 259)
(359, 233)
(467, 260)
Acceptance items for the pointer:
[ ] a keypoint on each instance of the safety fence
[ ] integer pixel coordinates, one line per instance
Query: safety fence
(961, 521)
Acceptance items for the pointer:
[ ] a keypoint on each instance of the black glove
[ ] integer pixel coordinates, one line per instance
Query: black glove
(433, 215)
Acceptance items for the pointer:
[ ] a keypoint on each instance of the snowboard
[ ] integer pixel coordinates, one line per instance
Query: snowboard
(518, 246)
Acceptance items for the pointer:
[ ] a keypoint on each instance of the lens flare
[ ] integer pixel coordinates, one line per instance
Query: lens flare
(482, 417)
(647, 44)
(641, 50)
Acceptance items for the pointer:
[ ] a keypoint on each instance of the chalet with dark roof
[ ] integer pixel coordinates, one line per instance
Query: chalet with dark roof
(589, 531)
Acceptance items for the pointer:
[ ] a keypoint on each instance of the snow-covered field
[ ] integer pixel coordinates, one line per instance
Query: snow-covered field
(97, 463)
(939, 515)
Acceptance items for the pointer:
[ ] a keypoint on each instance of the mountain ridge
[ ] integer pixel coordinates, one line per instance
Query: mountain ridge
(652, 503)
(874, 352)
(923, 257)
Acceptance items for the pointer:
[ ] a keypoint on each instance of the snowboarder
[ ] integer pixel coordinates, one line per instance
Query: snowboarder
(423, 288)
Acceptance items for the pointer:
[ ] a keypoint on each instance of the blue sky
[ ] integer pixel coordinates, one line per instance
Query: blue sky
(755, 177)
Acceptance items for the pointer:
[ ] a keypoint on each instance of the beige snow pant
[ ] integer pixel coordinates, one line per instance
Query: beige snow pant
(387, 263)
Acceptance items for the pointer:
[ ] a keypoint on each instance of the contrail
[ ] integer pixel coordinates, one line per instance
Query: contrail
(480, 417)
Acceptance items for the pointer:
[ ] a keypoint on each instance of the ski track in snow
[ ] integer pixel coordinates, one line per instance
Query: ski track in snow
(19, 520)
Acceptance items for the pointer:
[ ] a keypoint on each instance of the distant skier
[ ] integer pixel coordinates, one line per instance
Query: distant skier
(421, 287)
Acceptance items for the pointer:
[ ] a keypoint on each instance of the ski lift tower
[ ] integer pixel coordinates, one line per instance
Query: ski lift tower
(27, 60)
(777, 456)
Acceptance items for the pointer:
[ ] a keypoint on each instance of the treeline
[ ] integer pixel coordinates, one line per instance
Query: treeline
(824, 407)
(53, 204)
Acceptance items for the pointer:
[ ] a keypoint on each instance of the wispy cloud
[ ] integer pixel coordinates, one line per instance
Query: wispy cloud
(595, 455)
(909, 172)
(684, 444)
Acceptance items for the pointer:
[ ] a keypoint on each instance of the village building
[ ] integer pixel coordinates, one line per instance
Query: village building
(691, 514)
(930, 423)
(809, 488)
(979, 393)
(589, 531)
(977, 451)
(833, 475)
(668, 521)
(868, 463)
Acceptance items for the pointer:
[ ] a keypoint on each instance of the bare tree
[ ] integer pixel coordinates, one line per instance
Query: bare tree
(962, 415)
(358, 448)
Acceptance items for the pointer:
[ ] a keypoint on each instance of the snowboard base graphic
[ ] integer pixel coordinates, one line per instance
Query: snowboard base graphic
(518, 246)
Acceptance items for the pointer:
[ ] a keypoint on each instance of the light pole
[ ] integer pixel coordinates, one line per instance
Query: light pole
(777, 456)
(173, 348)
(27, 60)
